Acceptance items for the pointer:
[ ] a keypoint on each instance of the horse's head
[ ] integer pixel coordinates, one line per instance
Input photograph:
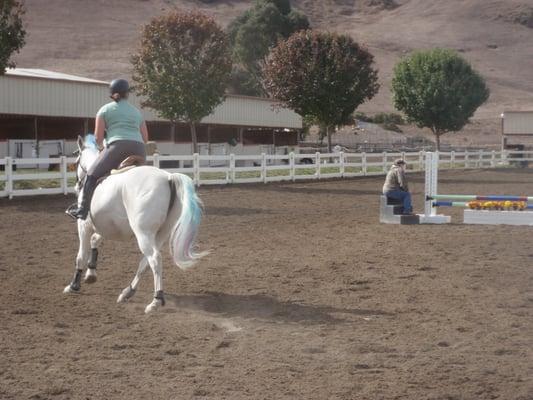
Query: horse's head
(87, 154)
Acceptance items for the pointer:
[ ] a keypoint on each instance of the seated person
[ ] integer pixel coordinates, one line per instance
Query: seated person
(396, 187)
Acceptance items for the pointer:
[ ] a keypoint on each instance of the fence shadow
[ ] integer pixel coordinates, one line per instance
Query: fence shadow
(265, 308)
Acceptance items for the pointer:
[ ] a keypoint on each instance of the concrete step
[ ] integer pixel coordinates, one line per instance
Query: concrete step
(409, 219)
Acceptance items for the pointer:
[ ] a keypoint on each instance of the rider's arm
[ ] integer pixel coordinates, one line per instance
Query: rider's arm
(99, 130)
(144, 131)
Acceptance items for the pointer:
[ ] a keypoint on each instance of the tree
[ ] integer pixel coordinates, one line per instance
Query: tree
(438, 89)
(254, 33)
(322, 76)
(183, 67)
(12, 32)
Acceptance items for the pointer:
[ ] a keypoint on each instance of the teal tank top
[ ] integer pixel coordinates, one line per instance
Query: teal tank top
(122, 120)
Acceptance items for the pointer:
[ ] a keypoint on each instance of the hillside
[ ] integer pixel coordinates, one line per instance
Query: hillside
(95, 39)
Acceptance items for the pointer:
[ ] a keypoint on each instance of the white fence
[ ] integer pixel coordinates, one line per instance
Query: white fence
(16, 180)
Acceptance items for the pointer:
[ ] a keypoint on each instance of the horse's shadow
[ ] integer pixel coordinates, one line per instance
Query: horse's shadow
(265, 308)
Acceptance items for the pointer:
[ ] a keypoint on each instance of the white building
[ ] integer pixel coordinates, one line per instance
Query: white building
(43, 112)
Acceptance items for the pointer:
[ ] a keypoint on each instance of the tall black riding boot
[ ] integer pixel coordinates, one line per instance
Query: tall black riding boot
(87, 195)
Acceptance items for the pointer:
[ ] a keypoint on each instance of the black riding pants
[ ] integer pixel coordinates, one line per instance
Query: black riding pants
(111, 157)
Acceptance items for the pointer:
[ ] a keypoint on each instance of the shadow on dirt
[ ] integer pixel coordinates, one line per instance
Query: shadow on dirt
(265, 308)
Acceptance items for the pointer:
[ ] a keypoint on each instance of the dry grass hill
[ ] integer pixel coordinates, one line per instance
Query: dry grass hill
(94, 38)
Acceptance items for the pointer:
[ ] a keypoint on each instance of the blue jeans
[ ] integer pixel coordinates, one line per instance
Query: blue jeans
(405, 197)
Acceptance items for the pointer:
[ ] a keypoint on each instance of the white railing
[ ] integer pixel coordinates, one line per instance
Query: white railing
(16, 179)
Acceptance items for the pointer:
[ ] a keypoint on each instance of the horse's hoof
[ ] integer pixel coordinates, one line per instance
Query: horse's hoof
(153, 306)
(90, 279)
(68, 289)
(126, 295)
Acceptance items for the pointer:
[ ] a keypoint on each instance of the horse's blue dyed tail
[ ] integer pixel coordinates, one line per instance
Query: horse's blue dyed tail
(183, 234)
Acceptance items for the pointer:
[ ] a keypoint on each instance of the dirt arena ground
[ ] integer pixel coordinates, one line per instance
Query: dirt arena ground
(304, 296)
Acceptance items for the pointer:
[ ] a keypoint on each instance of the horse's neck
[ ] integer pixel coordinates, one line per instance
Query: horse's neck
(90, 158)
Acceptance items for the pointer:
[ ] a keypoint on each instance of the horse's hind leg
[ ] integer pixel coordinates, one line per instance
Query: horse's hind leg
(150, 249)
(84, 233)
(90, 274)
(130, 290)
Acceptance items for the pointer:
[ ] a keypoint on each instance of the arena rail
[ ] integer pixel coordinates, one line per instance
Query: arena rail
(25, 176)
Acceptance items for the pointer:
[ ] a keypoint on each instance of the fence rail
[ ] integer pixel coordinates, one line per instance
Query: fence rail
(22, 176)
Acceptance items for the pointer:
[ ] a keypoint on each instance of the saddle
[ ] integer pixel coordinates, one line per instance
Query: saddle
(127, 164)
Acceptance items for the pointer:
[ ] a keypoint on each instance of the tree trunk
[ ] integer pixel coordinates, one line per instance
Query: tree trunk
(329, 139)
(437, 134)
(194, 138)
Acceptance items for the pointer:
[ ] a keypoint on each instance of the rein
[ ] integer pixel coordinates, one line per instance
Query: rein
(80, 182)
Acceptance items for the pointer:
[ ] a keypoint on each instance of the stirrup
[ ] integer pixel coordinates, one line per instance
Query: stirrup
(70, 210)
(74, 212)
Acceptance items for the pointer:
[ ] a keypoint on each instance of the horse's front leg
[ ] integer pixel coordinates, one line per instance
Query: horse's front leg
(84, 233)
(90, 274)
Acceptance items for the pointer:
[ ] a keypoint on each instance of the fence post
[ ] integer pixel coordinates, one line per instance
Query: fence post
(63, 170)
(291, 165)
(493, 159)
(385, 162)
(364, 167)
(9, 177)
(231, 175)
(421, 156)
(341, 161)
(317, 163)
(196, 168)
(480, 159)
(263, 167)
(156, 160)
(466, 159)
(452, 159)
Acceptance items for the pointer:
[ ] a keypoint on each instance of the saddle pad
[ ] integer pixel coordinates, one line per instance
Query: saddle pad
(121, 170)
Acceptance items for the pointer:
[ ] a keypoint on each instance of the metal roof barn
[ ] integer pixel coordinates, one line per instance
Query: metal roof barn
(45, 93)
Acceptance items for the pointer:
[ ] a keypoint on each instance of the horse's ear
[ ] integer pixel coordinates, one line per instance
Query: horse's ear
(80, 143)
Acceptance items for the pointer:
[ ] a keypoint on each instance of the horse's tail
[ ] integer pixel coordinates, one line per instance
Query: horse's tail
(183, 233)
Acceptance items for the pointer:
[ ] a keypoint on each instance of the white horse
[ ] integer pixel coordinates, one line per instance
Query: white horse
(146, 202)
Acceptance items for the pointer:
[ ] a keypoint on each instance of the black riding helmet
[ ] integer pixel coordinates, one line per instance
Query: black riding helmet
(120, 86)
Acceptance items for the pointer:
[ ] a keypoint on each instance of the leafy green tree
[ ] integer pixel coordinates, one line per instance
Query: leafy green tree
(183, 67)
(12, 31)
(322, 76)
(438, 89)
(254, 33)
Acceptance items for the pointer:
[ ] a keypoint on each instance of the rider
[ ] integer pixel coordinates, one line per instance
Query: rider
(125, 132)
(396, 186)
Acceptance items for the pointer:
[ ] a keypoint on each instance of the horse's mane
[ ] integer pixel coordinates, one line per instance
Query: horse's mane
(90, 141)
